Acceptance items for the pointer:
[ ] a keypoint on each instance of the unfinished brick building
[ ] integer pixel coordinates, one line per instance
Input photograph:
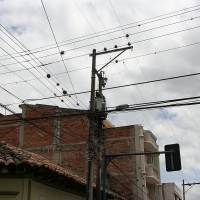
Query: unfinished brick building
(60, 135)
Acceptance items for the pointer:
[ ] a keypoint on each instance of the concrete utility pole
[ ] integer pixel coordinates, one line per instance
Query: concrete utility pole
(95, 124)
(89, 187)
(189, 184)
(183, 190)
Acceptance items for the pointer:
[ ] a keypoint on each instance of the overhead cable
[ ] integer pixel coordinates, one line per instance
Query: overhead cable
(125, 25)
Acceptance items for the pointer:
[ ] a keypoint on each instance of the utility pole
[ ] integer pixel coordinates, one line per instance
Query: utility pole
(89, 187)
(183, 190)
(189, 184)
(95, 129)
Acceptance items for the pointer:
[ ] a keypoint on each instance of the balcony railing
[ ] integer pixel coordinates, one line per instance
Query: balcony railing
(150, 141)
(152, 175)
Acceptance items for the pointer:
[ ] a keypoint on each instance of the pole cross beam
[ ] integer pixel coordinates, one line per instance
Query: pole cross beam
(189, 184)
(109, 157)
(92, 131)
(111, 51)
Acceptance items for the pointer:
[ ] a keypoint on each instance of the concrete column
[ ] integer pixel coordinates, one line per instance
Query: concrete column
(22, 127)
(141, 146)
(142, 158)
(56, 157)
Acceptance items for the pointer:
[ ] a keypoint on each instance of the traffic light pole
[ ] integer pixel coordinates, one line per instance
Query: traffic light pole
(109, 157)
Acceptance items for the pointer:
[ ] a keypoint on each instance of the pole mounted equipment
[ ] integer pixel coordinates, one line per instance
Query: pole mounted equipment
(97, 114)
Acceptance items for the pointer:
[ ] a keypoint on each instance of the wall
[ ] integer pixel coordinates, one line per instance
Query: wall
(170, 190)
(9, 131)
(37, 191)
(126, 176)
(63, 140)
(12, 185)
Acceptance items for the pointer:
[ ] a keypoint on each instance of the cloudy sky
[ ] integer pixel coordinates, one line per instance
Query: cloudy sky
(165, 39)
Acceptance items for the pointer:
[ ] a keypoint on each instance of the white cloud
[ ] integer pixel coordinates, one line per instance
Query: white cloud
(26, 20)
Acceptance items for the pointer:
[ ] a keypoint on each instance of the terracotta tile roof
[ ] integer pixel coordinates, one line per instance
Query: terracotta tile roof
(13, 157)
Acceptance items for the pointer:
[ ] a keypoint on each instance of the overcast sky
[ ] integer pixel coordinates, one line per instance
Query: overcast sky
(165, 39)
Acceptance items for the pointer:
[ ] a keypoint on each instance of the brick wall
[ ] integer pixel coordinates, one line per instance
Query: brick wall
(63, 140)
(123, 174)
(9, 129)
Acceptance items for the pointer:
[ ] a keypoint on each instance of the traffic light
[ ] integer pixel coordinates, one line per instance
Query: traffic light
(172, 160)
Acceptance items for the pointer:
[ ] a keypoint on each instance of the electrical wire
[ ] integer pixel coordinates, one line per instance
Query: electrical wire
(60, 52)
(161, 51)
(126, 85)
(160, 109)
(105, 142)
(133, 107)
(34, 60)
(6, 133)
(38, 77)
(40, 127)
(129, 178)
(128, 24)
(32, 72)
(126, 45)
(27, 120)
(102, 22)
(30, 85)
(26, 67)
(113, 38)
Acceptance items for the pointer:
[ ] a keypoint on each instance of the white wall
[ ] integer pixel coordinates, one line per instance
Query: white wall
(43, 192)
(38, 191)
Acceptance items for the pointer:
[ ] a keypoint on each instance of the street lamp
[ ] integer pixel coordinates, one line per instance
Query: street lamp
(122, 107)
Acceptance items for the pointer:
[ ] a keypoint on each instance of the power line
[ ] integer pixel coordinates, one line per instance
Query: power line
(106, 140)
(60, 52)
(150, 105)
(113, 38)
(2, 135)
(127, 25)
(126, 85)
(38, 77)
(33, 56)
(128, 177)
(161, 109)
(161, 51)
(26, 67)
(49, 62)
(156, 107)
(27, 106)
(102, 22)
(35, 124)
(120, 46)
(29, 84)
